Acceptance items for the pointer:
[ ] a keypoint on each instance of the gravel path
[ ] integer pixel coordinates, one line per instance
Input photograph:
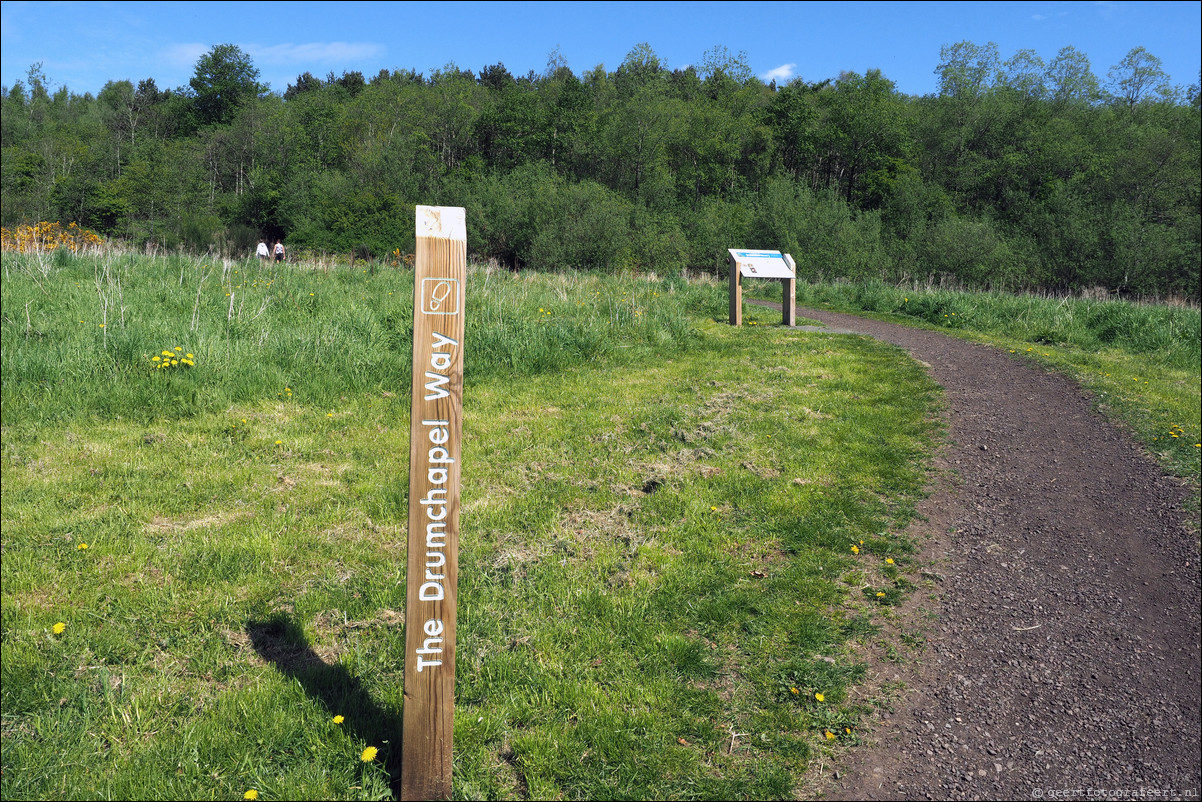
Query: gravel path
(1066, 660)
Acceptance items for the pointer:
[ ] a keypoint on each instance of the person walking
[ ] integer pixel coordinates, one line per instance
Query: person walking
(261, 251)
(279, 251)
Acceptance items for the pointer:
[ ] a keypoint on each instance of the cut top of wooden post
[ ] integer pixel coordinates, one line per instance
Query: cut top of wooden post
(448, 222)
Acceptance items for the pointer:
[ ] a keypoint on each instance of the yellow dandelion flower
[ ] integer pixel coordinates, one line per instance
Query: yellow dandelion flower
(339, 719)
(82, 546)
(855, 549)
(251, 794)
(820, 697)
(830, 736)
(794, 691)
(279, 442)
(369, 754)
(177, 348)
(889, 561)
(59, 627)
(880, 593)
(155, 358)
(847, 730)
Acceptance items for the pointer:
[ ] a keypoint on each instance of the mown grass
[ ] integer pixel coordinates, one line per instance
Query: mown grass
(673, 534)
(1140, 361)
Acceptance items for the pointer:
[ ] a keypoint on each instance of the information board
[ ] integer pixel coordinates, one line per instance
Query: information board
(761, 264)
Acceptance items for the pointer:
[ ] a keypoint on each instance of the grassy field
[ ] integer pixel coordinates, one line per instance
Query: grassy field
(675, 535)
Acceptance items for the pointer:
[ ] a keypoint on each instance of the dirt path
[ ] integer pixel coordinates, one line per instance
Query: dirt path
(1066, 661)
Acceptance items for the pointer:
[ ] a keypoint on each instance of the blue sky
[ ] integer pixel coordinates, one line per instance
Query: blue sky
(81, 45)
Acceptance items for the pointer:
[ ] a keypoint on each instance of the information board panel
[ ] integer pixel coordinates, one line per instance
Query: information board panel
(761, 264)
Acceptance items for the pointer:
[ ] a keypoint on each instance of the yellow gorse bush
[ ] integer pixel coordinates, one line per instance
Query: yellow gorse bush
(173, 359)
(47, 236)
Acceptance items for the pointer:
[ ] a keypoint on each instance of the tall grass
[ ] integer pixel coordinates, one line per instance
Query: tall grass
(1140, 360)
(1170, 335)
(79, 338)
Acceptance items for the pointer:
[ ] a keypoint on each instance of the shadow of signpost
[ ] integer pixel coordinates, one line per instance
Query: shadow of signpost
(281, 642)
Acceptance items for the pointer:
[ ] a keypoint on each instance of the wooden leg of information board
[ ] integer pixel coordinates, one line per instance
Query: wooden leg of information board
(789, 293)
(435, 460)
(789, 301)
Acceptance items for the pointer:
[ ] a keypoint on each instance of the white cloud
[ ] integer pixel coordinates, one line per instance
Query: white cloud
(782, 74)
(185, 54)
(314, 53)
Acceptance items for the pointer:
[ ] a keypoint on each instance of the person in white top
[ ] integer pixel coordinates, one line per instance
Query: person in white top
(261, 251)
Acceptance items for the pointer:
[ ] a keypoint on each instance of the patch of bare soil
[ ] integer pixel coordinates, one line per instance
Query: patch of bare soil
(1066, 660)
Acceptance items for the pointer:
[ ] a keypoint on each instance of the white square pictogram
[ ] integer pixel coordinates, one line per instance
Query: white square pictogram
(440, 296)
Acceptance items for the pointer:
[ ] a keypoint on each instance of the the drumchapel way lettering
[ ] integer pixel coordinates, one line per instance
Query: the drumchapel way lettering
(435, 502)
(435, 462)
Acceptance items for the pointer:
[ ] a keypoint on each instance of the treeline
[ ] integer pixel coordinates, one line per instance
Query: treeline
(1015, 174)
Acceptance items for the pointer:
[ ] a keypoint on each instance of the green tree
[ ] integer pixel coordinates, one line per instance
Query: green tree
(720, 59)
(305, 82)
(865, 138)
(225, 79)
(1025, 73)
(793, 114)
(640, 69)
(122, 114)
(565, 121)
(1139, 77)
(967, 70)
(1069, 78)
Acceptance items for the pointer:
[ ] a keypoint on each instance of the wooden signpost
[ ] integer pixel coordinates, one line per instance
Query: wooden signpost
(762, 264)
(435, 461)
